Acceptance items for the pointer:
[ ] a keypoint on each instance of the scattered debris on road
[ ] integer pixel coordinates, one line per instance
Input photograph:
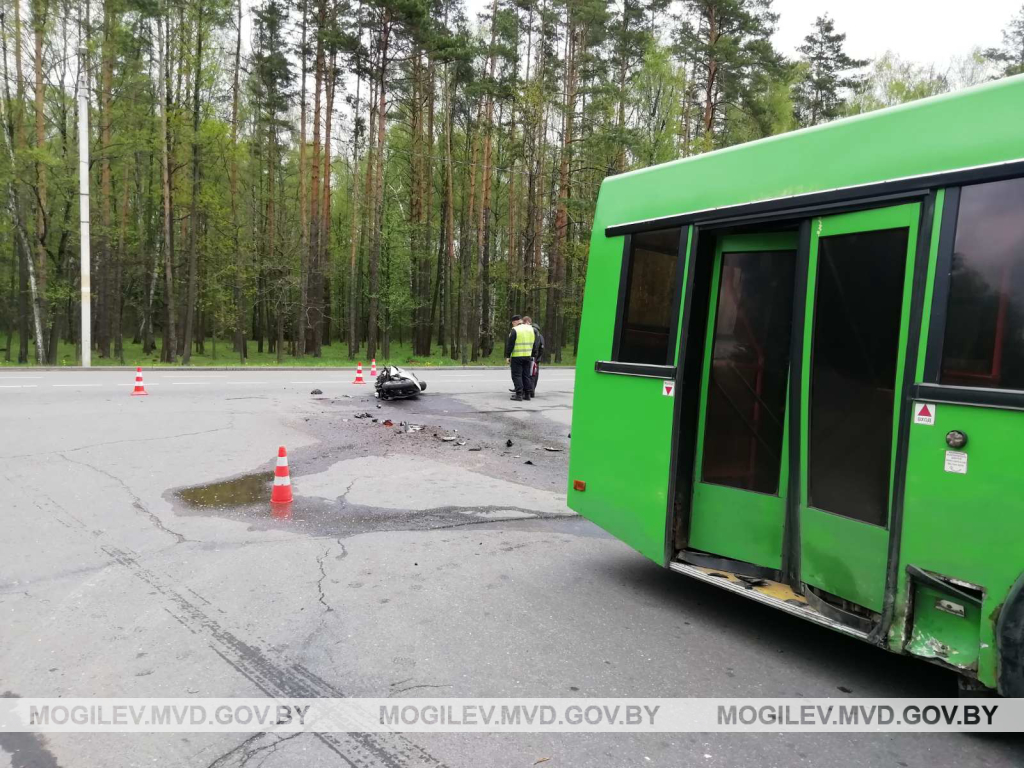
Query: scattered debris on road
(528, 462)
(478, 448)
(553, 450)
(508, 443)
(364, 415)
(388, 423)
(317, 392)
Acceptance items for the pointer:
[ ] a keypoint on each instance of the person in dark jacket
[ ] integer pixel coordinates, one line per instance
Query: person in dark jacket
(519, 348)
(538, 352)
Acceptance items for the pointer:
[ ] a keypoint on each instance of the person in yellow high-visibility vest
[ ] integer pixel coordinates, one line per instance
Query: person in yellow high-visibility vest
(519, 356)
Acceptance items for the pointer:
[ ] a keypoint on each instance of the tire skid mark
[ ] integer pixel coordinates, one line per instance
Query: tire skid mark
(359, 750)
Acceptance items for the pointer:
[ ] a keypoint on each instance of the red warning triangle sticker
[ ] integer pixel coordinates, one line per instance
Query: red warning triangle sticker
(923, 411)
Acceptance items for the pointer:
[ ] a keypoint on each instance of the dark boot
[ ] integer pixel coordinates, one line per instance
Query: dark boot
(516, 396)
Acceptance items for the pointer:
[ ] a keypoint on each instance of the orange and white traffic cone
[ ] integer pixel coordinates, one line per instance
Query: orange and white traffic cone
(140, 388)
(359, 374)
(373, 368)
(282, 493)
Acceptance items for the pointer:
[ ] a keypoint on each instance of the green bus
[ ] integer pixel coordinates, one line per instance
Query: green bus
(801, 376)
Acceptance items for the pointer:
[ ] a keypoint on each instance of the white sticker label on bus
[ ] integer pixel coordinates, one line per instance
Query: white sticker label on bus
(956, 461)
(668, 388)
(924, 413)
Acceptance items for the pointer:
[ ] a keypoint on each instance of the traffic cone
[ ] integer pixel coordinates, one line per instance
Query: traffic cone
(373, 368)
(140, 388)
(282, 493)
(359, 374)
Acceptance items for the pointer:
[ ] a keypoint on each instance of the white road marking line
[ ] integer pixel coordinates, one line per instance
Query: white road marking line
(246, 382)
(194, 375)
(17, 386)
(190, 383)
(76, 385)
(21, 377)
(131, 384)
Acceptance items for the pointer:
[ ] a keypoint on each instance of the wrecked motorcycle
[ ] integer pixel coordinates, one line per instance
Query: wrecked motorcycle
(394, 382)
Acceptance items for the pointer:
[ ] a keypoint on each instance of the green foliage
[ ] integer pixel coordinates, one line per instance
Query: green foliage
(827, 75)
(893, 81)
(1010, 57)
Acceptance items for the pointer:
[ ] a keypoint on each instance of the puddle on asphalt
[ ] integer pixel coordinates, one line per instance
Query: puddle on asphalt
(247, 499)
(240, 491)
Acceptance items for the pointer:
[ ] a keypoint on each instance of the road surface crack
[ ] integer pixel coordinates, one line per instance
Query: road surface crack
(344, 496)
(320, 581)
(241, 755)
(415, 687)
(136, 501)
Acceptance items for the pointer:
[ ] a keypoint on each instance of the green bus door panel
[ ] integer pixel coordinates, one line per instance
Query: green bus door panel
(626, 496)
(621, 425)
(855, 336)
(740, 464)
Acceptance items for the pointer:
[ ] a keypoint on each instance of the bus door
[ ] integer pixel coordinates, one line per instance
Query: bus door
(855, 330)
(741, 468)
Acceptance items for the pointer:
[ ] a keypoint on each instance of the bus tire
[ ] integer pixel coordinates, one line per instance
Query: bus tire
(1010, 642)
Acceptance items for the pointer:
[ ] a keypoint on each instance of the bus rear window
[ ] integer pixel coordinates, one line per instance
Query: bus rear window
(650, 288)
(984, 336)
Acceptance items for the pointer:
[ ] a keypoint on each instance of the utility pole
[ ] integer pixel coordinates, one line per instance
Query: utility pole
(83, 202)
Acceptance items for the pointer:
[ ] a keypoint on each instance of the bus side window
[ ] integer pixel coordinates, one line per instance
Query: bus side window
(647, 313)
(983, 344)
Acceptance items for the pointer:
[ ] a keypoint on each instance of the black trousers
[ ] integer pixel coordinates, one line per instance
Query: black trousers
(521, 378)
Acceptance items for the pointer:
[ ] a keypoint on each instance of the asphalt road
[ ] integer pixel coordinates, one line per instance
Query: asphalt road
(409, 565)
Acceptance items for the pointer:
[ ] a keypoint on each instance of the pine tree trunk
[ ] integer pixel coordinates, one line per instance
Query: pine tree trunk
(170, 344)
(353, 235)
(38, 275)
(449, 215)
(555, 311)
(323, 255)
(300, 318)
(314, 190)
(193, 244)
(103, 266)
(709, 88)
(122, 248)
(473, 270)
(239, 289)
(428, 223)
(378, 187)
(486, 343)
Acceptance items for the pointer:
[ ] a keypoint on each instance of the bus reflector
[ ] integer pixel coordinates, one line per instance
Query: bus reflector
(579, 485)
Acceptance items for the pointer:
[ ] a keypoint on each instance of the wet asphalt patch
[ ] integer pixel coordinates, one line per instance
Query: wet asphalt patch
(480, 447)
